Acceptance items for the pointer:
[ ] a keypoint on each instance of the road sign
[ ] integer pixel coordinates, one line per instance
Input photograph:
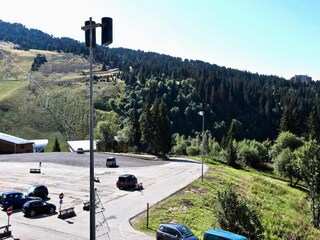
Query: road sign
(61, 195)
(61, 201)
(9, 211)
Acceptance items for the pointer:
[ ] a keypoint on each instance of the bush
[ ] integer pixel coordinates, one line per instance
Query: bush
(193, 151)
(235, 216)
(286, 165)
(285, 140)
(252, 153)
(180, 149)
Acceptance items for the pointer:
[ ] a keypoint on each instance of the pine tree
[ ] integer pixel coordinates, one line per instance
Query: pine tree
(313, 125)
(294, 122)
(231, 154)
(234, 132)
(146, 126)
(164, 126)
(56, 146)
(156, 139)
(284, 122)
(38, 61)
(136, 134)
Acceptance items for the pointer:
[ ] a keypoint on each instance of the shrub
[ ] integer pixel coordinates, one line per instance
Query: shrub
(252, 153)
(235, 215)
(180, 149)
(286, 165)
(193, 151)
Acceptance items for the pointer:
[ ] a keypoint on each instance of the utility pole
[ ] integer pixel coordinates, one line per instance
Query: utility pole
(201, 113)
(90, 32)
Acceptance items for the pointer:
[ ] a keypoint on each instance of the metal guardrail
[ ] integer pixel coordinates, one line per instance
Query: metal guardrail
(35, 170)
(67, 213)
(6, 233)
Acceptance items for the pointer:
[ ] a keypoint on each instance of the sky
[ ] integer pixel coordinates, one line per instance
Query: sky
(272, 37)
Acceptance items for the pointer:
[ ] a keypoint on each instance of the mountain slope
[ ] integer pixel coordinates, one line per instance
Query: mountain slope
(187, 86)
(52, 101)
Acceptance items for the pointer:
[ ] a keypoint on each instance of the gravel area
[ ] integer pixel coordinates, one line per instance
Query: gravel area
(80, 160)
(68, 173)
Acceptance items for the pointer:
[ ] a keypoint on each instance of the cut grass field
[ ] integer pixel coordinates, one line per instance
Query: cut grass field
(8, 87)
(284, 211)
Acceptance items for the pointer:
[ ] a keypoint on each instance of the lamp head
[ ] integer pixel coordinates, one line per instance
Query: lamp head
(201, 113)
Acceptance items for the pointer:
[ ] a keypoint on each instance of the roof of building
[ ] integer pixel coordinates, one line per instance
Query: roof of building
(39, 144)
(84, 144)
(12, 139)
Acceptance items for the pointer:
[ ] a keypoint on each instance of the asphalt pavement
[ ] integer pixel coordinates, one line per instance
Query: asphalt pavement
(69, 173)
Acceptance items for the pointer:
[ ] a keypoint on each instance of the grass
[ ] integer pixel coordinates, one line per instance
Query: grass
(8, 87)
(23, 106)
(284, 211)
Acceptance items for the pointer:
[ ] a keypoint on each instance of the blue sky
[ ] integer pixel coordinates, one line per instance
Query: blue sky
(278, 37)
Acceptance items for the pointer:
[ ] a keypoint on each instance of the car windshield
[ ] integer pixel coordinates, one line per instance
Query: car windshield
(24, 196)
(30, 189)
(184, 231)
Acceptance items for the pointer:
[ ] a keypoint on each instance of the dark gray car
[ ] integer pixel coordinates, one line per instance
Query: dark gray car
(172, 231)
(40, 191)
(111, 162)
(13, 199)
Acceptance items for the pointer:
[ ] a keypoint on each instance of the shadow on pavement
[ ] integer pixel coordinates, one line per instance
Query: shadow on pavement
(183, 160)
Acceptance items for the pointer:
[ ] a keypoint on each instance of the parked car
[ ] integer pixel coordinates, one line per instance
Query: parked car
(214, 234)
(40, 191)
(170, 231)
(127, 181)
(111, 162)
(33, 207)
(13, 199)
(80, 151)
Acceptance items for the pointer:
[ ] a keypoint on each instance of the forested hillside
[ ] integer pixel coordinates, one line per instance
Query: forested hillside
(186, 87)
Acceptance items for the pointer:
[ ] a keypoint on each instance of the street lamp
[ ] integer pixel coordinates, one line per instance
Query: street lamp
(201, 113)
(106, 37)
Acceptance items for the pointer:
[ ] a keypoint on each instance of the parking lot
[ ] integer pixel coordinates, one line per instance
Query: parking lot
(68, 173)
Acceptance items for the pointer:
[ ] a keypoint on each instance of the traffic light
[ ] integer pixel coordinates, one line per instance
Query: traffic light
(88, 35)
(106, 34)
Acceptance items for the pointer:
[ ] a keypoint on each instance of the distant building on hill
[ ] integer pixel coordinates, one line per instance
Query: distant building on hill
(301, 78)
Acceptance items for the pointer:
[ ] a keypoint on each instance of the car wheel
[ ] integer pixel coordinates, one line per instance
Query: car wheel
(52, 210)
(32, 213)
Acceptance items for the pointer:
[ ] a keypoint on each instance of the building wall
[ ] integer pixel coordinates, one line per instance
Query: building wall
(24, 148)
(6, 148)
(302, 78)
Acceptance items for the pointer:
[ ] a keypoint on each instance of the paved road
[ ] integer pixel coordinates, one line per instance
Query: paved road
(160, 179)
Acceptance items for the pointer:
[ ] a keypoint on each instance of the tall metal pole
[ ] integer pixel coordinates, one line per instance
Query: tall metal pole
(92, 193)
(202, 146)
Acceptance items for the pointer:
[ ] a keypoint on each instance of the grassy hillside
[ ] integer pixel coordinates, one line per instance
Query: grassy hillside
(284, 211)
(49, 103)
